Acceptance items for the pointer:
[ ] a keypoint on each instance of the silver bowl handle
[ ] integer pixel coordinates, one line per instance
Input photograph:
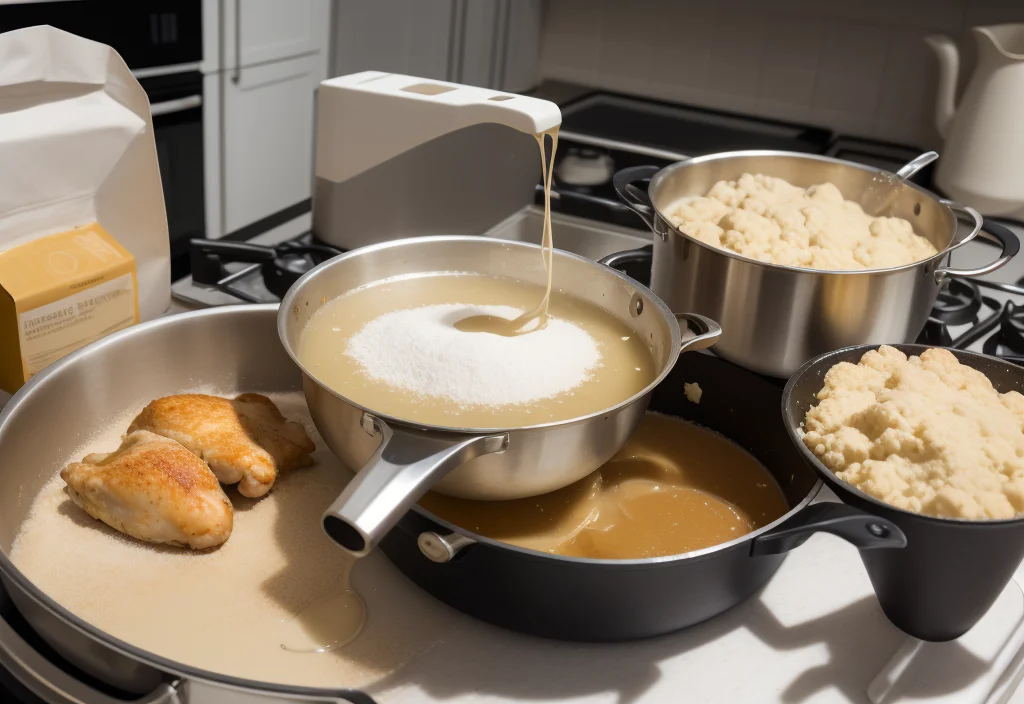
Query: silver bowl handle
(1006, 239)
(404, 467)
(708, 332)
(912, 167)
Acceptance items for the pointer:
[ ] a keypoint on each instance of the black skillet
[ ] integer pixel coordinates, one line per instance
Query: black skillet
(609, 600)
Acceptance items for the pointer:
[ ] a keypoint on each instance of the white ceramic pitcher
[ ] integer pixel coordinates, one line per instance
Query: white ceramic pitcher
(982, 162)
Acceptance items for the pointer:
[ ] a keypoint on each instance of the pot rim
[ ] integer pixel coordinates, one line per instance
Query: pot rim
(721, 156)
(832, 480)
(27, 587)
(288, 302)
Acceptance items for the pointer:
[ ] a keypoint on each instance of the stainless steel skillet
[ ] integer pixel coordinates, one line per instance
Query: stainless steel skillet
(228, 349)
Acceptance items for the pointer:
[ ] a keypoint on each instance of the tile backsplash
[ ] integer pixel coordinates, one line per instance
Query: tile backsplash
(860, 68)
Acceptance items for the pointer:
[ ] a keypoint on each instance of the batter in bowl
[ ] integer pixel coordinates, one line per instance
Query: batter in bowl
(773, 221)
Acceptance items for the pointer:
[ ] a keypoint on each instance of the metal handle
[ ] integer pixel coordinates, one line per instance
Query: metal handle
(169, 107)
(238, 251)
(863, 530)
(643, 255)
(1004, 236)
(402, 470)
(53, 685)
(708, 332)
(635, 199)
(236, 72)
(912, 167)
(442, 548)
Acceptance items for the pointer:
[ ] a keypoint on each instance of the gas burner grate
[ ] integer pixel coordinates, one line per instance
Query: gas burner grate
(958, 303)
(279, 266)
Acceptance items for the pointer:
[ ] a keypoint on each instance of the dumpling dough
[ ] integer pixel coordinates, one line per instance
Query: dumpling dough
(925, 434)
(771, 220)
(153, 489)
(246, 441)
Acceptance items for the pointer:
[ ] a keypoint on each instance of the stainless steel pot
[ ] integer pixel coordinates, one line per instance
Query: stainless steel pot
(234, 348)
(401, 460)
(777, 317)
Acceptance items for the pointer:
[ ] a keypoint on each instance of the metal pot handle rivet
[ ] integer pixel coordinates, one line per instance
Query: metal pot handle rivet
(441, 548)
(877, 530)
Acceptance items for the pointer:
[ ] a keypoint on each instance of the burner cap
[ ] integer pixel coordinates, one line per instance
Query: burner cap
(291, 262)
(958, 303)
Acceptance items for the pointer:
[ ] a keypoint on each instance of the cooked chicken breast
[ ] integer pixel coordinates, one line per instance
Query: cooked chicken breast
(153, 489)
(245, 441)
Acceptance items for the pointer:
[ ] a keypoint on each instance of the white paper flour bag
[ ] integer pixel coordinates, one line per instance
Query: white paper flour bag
(84, 248)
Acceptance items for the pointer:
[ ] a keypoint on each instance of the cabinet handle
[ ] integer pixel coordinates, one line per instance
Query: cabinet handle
(236, 74)
(169, 107)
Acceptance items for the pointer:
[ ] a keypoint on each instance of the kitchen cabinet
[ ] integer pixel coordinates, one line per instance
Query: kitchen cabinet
(419, 37)
(487, 43)
(260, 31)
(263, 61)
(268, 139)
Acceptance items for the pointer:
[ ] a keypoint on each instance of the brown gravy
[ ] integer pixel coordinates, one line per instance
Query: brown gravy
(673, 488)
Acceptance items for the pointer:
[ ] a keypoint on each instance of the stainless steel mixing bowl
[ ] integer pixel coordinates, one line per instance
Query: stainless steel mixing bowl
(401, 460)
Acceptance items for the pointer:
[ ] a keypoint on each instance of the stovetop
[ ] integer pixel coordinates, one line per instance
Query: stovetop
(604, 132)
(985, 315)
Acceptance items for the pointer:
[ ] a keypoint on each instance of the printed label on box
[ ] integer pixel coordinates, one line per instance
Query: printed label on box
(52, 331)
(61, 292)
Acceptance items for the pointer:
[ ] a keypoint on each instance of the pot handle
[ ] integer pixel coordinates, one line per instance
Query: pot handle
(643, 255)
(632, 196)
(708, 332)
(404, 467)
(1007, 240)
(863, 530)
(914, 165)
(52, 684)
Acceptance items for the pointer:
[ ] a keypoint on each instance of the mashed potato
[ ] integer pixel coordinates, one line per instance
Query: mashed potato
(926, 434)
(771, 220)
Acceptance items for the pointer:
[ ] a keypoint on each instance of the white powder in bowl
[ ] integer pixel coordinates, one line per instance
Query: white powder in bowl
(419, 350)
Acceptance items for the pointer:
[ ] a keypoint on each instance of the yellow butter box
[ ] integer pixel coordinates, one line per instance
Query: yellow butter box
(59, 293)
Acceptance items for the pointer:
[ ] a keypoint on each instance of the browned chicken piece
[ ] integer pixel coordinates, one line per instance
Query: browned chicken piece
(246, 441)
(153, 489)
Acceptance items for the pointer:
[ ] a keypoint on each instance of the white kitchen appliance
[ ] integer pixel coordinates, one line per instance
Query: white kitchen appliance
(399, 156)
(982, 161)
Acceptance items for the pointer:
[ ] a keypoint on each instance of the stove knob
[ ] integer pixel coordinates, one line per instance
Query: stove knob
(585, 168)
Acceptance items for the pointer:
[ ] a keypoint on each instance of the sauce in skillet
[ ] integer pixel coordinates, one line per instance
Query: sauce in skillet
(673, 488)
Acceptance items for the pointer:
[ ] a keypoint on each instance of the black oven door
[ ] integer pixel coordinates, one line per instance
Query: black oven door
(176, 102)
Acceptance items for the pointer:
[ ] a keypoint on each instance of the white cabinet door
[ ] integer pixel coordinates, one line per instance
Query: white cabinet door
(272, 30)
(413, 37)
(267, 139)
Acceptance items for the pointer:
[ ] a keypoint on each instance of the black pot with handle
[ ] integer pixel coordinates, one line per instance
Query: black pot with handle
(609, 600)
(952, 570)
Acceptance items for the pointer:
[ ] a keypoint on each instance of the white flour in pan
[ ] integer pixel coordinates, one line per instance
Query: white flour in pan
(223, 609)
(420, 350)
